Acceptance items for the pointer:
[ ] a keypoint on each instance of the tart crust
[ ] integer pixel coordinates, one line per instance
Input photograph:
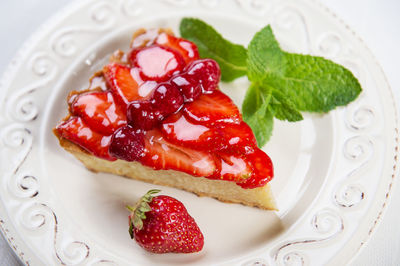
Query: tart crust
(222, 190)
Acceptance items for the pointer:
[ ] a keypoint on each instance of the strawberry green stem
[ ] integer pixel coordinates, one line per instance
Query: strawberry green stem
(139, 210)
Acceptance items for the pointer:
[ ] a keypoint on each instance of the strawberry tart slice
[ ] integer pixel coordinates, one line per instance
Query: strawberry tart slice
(156, 114)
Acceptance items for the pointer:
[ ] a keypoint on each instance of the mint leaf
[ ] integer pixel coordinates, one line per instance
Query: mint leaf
(254, 99)
(283, 108)
(259, 107)
(257, 114)
(262, 123)
(315, 84)
(230, 57)
(264, 56)
(311, 83)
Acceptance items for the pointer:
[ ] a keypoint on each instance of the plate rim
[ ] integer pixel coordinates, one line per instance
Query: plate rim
(395, 169)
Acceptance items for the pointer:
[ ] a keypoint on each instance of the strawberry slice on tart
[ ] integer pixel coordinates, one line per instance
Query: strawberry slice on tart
(74, 129)
(162, 154)
(213, 108)
(99, 110)
(227, 137)
(123, 83)
(186, 48)
(162, 119)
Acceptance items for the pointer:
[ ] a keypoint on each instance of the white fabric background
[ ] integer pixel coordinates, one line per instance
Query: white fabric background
(377, 22)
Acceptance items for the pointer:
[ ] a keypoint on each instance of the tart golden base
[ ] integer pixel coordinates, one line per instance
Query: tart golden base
(225, 191)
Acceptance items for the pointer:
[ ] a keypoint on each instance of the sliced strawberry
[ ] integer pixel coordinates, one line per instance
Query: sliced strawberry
(162, 154)
(99, 111)
(186, 48)
(156, 62)
(237, 138)
(226, 137)
(124, 83)
(177, 129)
(233, 167)
(262, 170)
(213, 108)
(76, 131)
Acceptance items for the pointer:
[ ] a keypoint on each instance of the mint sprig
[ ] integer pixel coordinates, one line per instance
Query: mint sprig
(282, 84)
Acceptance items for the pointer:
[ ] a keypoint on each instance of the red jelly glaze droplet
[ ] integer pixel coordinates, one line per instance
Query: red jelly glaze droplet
(127, 144)
(168, 63)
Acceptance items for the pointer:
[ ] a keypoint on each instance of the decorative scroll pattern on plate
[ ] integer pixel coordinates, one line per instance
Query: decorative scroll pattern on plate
(255, 7)
(101, 14)
(327, 223)
(291, 19)
(21, 104)
(37, 216)
(131, 8)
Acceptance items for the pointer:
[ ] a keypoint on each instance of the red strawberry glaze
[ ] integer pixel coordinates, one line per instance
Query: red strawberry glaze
(168, 61)
(177, 117)
(127, 144)
(186, 48)
(75, 130)
(123, 82)
(200, 76)
(206, 72)
(210, 109)
(165, 38)
(233, 167)
(162, 154)
(177, 129)
(226, 137)
(263, 170)
(98, 110)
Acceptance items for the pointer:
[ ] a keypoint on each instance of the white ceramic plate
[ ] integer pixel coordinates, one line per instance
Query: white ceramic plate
(334, 172)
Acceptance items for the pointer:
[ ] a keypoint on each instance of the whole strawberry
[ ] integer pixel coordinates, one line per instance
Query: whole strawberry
(161, 224)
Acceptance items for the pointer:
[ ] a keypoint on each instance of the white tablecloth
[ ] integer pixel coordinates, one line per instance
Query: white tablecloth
(376, 21)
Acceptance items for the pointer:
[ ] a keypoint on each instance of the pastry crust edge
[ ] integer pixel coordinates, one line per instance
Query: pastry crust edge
(225, 191)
